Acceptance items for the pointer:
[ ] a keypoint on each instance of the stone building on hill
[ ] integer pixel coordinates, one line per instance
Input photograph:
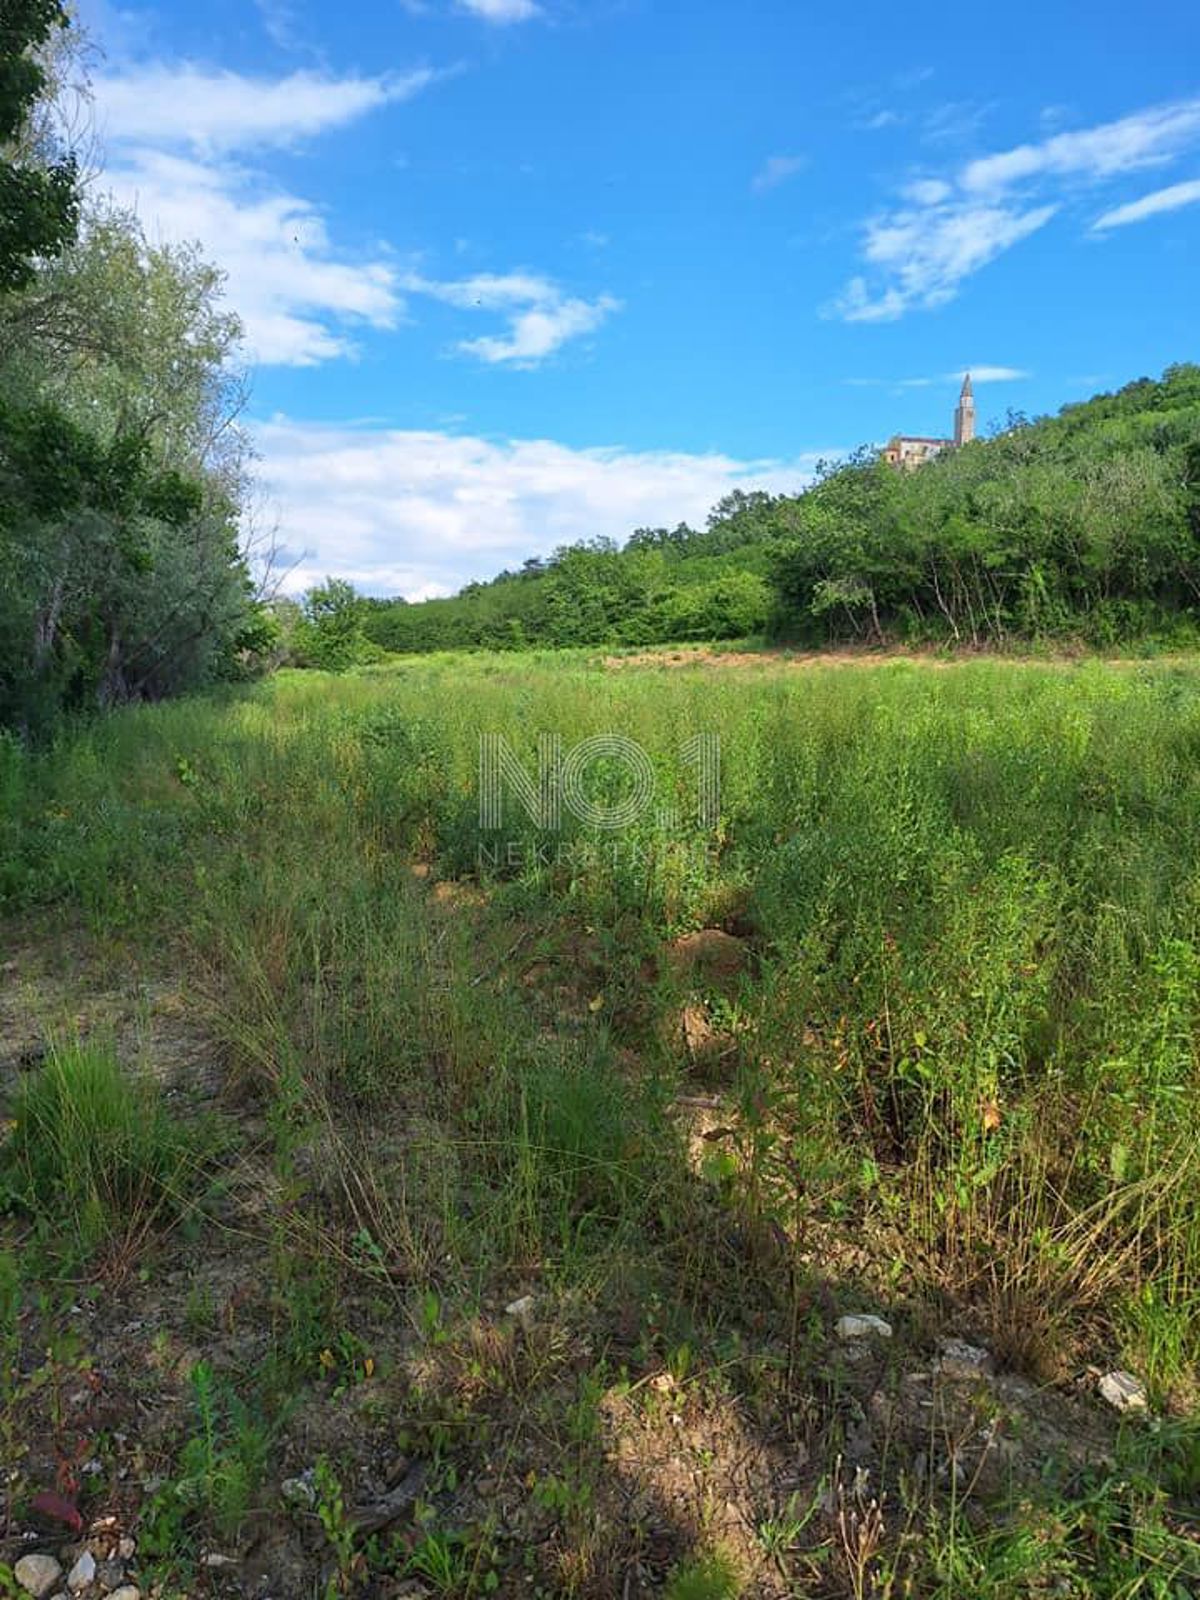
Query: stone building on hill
(909, 451)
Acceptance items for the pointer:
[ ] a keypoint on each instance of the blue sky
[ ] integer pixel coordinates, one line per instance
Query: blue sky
(515, 272)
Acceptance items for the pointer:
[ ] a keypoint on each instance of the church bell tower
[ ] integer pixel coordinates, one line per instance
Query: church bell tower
(964, 416)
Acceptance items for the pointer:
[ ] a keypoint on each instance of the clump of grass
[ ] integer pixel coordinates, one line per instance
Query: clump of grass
(95, 1156)
(704, 1577)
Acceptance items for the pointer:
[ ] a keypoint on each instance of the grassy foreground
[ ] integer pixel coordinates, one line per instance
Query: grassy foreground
(391, 1206)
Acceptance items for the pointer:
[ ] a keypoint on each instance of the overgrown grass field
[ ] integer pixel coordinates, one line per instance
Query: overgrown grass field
(532, 1170)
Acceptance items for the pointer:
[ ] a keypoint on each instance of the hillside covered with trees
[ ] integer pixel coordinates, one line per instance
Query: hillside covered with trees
(1083, 525)
(122, 469)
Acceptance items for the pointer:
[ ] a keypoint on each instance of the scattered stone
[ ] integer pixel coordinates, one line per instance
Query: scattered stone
(958, 1359)
(863, 1327)
(127, 1548)
(110, 1574)
(1123, 1391)
(83, 1572)
(127, 1591)
(522, 1309)
(37, 1575)
(215, 1561)
(300, 1492)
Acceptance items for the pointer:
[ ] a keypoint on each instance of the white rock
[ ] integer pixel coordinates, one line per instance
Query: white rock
(127, 1548)
(522, 1309)
(127, 1591)
(863, 1327)
(83, 1572)
(215, 1559)
(1123, 1391)
(37, 1575)
(961, 1360)
(301, 1491)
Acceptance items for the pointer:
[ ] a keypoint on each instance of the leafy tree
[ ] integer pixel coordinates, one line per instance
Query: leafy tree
(1084, 524)
(39, 202)
(122, 468)
(330, 632)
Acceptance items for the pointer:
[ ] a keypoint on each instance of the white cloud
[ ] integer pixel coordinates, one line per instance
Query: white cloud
(502, 11)
(1144, 139)
(185, 105)
(541, 316)
(280, 23)
(1150, 205)
(416, 513)
(924, 254)
(877, 121)
(927, 191)
(175, 135)
(918, 255)
(776, 170)
(298, 302)
(981, 372)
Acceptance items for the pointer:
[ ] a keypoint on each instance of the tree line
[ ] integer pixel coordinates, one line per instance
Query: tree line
(123, 472)
(1085, 526)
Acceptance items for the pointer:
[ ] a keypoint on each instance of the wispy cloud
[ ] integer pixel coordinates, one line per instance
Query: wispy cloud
(776, 170)
(947, 227)
(1150, 205)
(981, 372)
(177, 137)
(1147, 138)
(923, 254)
(877, 121)
(419, 513)
(297, 300)
(501, 11)
(281, 24)
(222, 111)
(541, 317)
(927, 191)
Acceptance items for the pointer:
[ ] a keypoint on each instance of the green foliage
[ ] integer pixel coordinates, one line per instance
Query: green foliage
(220, 1469)
(39, 200)
(93, 1153)
(964, 1044)
(664, 585)
(704, 1577)
(121, 472)
(329, 633)
(1082, 524)
(1085, 525)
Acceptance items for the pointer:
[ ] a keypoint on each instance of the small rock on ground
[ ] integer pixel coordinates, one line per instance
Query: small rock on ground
(83, 1572)
(127, 1591)
(863, 1327)
(961, 1360)
(1123, 1391)
(522, 1309)
(300, 1491)
(37, 1575)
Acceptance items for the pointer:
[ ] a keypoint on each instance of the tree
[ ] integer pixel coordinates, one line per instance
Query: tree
(330, 632)
(39, 202)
